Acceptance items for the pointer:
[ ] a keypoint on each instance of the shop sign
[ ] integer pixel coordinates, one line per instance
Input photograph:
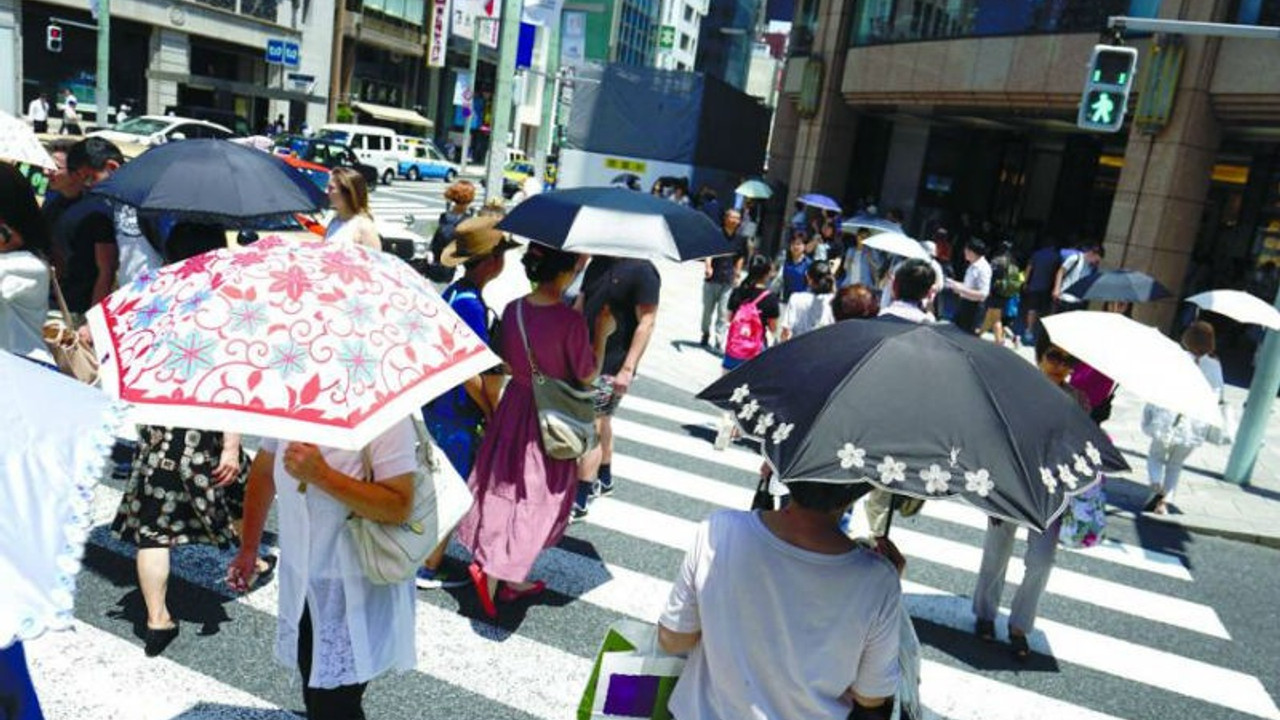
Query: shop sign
(438, 37)
(465, 13)
(632, 166)
(573, 38)
(810, 88)
(667, 37)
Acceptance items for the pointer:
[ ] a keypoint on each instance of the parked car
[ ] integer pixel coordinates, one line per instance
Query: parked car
(426, 161)
(328, 153)
(373, 144)
(160, 129)
(226, 118)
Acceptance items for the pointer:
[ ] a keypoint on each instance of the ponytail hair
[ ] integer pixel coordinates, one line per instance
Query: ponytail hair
(821, 281)
(758, 269)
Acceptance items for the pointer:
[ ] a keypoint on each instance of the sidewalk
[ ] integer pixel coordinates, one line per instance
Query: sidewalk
(1205, 503)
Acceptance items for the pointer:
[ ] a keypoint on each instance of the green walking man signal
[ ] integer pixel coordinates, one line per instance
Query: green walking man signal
(1106, 88)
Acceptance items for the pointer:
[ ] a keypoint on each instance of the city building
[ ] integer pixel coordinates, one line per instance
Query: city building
(964, 112)
(634, 39)
(210, 54)
(378, 67)
(684, 18)
(726, 39)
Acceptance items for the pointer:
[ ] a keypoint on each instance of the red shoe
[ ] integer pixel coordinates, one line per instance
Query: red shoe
(481, 581)
(507, 594)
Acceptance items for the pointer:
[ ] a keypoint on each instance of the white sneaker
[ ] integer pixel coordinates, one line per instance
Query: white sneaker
(724, 434)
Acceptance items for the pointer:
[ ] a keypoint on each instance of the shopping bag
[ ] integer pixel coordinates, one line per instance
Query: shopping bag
(1084, 523)
(632, 678)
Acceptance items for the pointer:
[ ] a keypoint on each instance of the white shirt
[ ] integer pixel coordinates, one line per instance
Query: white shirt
(1075, 269)
(38, 110)
(137, 255)
(361, 630)
(24, 302)
(907, 311)
(978, 277)
(806, 311)
(785, 631)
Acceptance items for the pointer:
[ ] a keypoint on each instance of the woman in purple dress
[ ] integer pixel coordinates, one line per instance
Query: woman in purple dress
(523, 497)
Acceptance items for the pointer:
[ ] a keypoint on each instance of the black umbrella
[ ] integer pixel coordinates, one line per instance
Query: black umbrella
(215, 181)
(920, 410)
(616, 223)
(1118, 285)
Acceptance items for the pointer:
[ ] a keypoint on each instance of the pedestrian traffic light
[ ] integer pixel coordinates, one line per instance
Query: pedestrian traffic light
(1106, 88)
(53, 38)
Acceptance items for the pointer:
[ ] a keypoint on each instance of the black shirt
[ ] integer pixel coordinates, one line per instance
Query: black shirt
(770, 309)
(85, 223)
(722, 266)
(623, 285)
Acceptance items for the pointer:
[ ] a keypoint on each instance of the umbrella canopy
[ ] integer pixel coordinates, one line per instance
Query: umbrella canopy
(213, 180)
(616, 223)
(921, 410)
(1239, 306)
(1139, 358)
(58, 434)
(868, 222)
(822, 202)
(757, 189)
(307, 341)
(1121, 285)
(19, 144)
(896, 243)
(630, 181)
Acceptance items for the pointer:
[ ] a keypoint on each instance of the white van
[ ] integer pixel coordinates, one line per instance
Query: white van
(373, 144)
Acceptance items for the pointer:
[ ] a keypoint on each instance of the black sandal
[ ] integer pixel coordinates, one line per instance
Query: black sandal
(985, 630)
(1021, 650)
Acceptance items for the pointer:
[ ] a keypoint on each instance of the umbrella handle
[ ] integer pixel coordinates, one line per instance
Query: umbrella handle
(893, 505)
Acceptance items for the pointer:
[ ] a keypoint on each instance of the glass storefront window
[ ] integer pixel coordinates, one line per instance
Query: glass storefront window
(1258, 12)
(889, 21)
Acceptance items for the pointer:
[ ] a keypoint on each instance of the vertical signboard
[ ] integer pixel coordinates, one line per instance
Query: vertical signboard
(573, 38)
(438, 34)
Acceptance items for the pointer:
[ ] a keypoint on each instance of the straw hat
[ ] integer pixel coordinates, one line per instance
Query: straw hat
(475, 238)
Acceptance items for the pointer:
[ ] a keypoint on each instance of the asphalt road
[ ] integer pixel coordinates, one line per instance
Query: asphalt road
(1155, 625)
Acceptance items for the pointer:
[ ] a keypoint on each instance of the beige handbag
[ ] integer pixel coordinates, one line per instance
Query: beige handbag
(566, 414)
(391, 554)
(72, 355)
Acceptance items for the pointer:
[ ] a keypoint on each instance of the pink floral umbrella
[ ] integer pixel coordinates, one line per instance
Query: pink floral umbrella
(313, 342)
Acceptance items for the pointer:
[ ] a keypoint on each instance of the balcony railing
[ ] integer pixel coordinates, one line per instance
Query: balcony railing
(261, 9)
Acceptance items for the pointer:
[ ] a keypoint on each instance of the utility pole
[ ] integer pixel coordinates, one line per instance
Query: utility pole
(102, 94)
(1266, 376)
(471, 104)
(502, 95)
(550, 96)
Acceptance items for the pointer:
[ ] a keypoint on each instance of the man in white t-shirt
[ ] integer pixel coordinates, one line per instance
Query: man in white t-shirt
(976, 287)
(783, 616)
(38, 112)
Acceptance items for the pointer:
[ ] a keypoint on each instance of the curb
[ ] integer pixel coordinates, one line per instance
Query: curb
(1200, 527)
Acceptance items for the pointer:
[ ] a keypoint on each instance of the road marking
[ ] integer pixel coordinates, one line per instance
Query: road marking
(697, 448)
(1113, 551)
(951, 693)
(88, 672)
(669, 412)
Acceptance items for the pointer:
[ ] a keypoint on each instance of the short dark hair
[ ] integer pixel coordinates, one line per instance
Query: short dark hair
(854, 302)
(977, 246)
(93, 152)
(825, 497)
(913, 280)
(188, 239)
(61, 145)
(544, 264)
(1094, 247)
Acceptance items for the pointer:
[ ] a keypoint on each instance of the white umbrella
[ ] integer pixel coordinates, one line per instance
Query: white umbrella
(1240, 306)
(58, 433)
(896, 244)
(19, 144)
(1139, 358)
(871, 224)
(757, 189)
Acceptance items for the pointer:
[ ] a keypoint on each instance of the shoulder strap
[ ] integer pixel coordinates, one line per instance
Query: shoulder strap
(524, 337)
(62, 302)
(758, 298)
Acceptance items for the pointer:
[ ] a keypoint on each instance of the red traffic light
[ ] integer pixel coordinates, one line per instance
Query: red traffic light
(53, 38)
(55, 32)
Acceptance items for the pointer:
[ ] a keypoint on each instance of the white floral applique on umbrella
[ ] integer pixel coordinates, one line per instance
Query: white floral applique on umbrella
(979, 482)
(936, 479)
(851, 456)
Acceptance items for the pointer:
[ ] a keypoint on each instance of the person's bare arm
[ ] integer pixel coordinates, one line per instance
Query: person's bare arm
(258, 496)
(107, 258)
(1057, 282)
(646, 318)
(677, 643)
(387, 500)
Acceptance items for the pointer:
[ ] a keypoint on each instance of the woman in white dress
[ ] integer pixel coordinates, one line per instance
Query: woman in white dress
(353, 222)
(335, 626)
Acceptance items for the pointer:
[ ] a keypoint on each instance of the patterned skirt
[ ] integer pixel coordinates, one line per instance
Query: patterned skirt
(171, 498)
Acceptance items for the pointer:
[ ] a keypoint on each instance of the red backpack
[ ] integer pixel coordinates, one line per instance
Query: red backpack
(746, 330)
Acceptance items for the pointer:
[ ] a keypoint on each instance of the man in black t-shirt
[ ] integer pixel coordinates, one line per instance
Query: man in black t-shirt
(630, 289)
(84, 235)
(720, 274)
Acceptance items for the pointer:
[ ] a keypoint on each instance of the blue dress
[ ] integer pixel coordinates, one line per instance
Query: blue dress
(454, 420)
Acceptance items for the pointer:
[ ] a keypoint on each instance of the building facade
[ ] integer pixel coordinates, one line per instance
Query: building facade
(166, 55)
(726, 40)
(684, 17)
(635, 32)
(962, 114)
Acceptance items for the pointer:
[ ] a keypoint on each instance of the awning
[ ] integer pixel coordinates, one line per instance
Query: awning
(392, 114)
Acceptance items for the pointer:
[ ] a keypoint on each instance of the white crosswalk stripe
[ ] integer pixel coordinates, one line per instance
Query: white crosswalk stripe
(539, 678)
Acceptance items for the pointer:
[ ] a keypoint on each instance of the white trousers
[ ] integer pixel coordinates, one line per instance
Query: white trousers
(996, 550)
(1164, 465)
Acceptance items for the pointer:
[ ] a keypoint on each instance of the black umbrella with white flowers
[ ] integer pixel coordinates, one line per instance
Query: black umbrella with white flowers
(921, 410)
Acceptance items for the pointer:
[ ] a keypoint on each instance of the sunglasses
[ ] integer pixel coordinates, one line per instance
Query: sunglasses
(1061, 358)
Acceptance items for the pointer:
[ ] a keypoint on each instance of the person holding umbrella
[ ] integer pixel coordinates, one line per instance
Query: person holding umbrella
(523, 497)
(1175, 436)
(1042, 547)
(353, 222)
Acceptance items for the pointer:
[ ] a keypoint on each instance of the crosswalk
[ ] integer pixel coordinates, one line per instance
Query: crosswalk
(423, 200)
(1120, 624)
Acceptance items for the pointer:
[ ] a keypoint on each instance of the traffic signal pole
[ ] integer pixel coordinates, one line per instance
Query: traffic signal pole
(550, 96)
(1266, 375)
(102, 94)
(503, 94)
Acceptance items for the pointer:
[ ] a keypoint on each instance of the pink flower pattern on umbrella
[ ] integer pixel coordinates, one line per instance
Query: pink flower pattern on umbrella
(295, 340)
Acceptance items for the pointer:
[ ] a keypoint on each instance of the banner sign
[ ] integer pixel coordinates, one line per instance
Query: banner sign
(438, 34)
